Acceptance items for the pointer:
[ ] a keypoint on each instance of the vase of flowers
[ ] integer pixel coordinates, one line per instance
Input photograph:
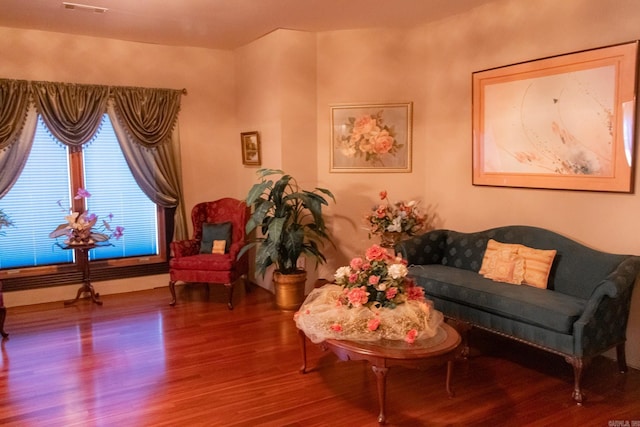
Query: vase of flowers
(372, 299)
(83, 228)
(393, 221)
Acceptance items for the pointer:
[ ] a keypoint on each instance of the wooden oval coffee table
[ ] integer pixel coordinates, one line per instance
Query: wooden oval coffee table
(384, 353)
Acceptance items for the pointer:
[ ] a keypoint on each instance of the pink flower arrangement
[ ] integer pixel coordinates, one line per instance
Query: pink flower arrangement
(372, 299)
(379, 280)
(398, 217)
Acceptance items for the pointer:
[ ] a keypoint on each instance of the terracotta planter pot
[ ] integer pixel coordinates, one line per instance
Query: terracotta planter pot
(289, 289)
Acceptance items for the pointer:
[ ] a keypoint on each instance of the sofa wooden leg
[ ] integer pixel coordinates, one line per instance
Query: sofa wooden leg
(3, 316)
(578, 366)
(621, 357)
(172, 288)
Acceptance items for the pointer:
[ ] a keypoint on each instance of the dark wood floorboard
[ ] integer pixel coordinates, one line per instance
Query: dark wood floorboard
(136, 361)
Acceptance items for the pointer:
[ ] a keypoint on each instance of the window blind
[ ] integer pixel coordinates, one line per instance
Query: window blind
(32, 205)
(114, 191)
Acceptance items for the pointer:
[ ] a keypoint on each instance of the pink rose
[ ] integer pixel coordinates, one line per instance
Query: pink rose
(411, 336)
(358, 296)
(383, 143)
(353, 278)
(364, 125)
(391, 293)
(415, 293)
(373, 324)
(374, 280)
(381, 211)
(356, 263)
(376, 253)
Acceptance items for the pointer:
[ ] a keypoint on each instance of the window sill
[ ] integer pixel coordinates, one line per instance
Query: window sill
(98, 273)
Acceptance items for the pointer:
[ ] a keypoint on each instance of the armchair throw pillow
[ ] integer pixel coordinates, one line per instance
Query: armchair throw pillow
(216, 238)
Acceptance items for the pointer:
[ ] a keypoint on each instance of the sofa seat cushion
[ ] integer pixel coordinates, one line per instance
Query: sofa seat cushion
(542, 307)
(209, 262)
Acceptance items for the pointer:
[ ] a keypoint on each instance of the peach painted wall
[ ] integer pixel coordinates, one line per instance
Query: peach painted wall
(432, 67)
(276, 86)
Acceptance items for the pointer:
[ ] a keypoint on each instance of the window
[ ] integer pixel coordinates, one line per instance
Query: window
(50, 179)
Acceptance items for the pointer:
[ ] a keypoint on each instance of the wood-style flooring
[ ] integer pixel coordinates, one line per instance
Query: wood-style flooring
(136, 361)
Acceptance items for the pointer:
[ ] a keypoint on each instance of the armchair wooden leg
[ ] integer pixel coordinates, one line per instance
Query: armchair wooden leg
(230, 303)
(172, 288)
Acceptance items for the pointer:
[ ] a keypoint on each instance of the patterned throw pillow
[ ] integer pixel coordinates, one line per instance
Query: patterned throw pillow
(502, 263)
(537, 265)
(517, 264)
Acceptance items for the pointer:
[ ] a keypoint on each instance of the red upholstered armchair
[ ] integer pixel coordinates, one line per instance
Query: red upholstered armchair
(193, 260)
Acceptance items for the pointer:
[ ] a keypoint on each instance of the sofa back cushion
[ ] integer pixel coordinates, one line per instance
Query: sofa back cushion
(576, 269)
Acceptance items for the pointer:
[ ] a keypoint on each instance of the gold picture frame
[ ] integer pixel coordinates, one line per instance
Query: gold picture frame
(251, 148)
(563, 122)
(371, 137)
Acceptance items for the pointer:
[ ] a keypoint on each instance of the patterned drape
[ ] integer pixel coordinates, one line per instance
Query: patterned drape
(14, 102)
(17, 126)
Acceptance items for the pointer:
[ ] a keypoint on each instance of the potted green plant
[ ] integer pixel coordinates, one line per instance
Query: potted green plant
(291, 224)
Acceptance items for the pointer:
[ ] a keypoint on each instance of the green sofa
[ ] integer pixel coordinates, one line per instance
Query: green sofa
(583, 312)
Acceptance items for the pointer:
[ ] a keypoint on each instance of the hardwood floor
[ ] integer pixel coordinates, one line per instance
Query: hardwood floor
(136, 361)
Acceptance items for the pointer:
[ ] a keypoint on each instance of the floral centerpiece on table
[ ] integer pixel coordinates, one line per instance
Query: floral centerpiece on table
(368, 137)
(399, 217)
(83, 228)
(372, 299)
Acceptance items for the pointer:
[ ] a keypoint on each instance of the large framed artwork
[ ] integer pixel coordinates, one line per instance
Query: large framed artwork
(371, 137)
(564, 122)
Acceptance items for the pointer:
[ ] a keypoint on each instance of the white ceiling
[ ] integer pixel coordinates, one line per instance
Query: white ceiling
(221, 24)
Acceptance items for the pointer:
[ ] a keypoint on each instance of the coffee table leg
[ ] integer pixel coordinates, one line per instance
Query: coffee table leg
(450, 392)
(303, 347)
(381, 379)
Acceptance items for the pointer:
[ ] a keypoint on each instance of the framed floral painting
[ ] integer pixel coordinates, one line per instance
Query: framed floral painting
(563, 122)
(371, 137)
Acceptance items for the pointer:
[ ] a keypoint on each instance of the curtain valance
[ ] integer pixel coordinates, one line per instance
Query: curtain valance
(148, 115)
(73, 112)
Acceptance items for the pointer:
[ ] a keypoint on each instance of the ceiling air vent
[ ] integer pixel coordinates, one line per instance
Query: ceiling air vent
(85, 7)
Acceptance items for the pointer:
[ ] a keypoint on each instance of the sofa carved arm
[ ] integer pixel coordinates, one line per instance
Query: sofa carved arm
(603, 323)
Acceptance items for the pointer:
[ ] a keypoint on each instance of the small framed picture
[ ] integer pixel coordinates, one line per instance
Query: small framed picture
(250, 148)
